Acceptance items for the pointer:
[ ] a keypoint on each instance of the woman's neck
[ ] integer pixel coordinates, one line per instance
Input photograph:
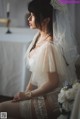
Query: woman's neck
(43, 36)
(44, 33)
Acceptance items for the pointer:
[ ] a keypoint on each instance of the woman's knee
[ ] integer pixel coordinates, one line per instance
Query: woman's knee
(2, 107)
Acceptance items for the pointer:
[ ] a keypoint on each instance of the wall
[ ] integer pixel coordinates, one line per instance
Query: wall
(18, 9)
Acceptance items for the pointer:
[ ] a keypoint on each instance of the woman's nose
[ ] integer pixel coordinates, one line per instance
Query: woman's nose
(29, 18)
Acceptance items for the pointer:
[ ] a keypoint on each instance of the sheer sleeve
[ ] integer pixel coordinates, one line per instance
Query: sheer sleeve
(48, 58)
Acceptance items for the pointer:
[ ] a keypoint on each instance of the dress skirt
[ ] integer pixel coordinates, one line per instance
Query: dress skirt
(39, 104)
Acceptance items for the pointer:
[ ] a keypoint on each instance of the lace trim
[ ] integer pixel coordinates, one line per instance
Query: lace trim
(40, 108)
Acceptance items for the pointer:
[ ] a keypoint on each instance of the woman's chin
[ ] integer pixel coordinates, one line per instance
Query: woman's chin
(32, 27)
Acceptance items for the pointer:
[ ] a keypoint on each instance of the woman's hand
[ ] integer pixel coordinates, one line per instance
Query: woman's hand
(19, 97)
(22, 96)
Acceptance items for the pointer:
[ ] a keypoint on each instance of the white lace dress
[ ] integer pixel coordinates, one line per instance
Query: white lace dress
(40, 63)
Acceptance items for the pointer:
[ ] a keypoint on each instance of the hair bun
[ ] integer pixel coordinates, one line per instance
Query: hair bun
(46, 1)
(43, 1)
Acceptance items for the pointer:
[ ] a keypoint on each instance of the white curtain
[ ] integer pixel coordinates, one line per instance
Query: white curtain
(64, 29)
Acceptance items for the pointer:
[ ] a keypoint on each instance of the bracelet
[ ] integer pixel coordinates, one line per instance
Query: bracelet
(28, 94)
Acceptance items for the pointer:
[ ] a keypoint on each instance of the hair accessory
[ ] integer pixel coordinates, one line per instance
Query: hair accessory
(57, 5)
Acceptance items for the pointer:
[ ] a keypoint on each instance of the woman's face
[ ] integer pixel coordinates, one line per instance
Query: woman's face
(31, 21)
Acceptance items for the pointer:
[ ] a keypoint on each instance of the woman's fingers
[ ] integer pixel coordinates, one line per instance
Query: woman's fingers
(16, 98)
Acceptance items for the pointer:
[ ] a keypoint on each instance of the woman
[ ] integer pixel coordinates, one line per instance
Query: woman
(39, 100)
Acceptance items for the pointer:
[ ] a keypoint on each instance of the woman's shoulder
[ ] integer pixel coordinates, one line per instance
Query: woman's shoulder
(49, 41)
(48, 44)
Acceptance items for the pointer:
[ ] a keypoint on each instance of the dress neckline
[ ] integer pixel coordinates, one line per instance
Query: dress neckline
(47, 41)
(50, 41)
(34, 45)
(38, 48)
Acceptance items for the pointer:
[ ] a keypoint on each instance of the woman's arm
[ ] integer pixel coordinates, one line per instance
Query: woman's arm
(29, 86)
(22, 95)
(47, 87)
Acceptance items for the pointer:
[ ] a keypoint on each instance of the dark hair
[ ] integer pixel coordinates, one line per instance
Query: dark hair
(42, 9)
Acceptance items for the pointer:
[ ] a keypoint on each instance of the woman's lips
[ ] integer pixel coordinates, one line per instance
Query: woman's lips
(29, 24)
